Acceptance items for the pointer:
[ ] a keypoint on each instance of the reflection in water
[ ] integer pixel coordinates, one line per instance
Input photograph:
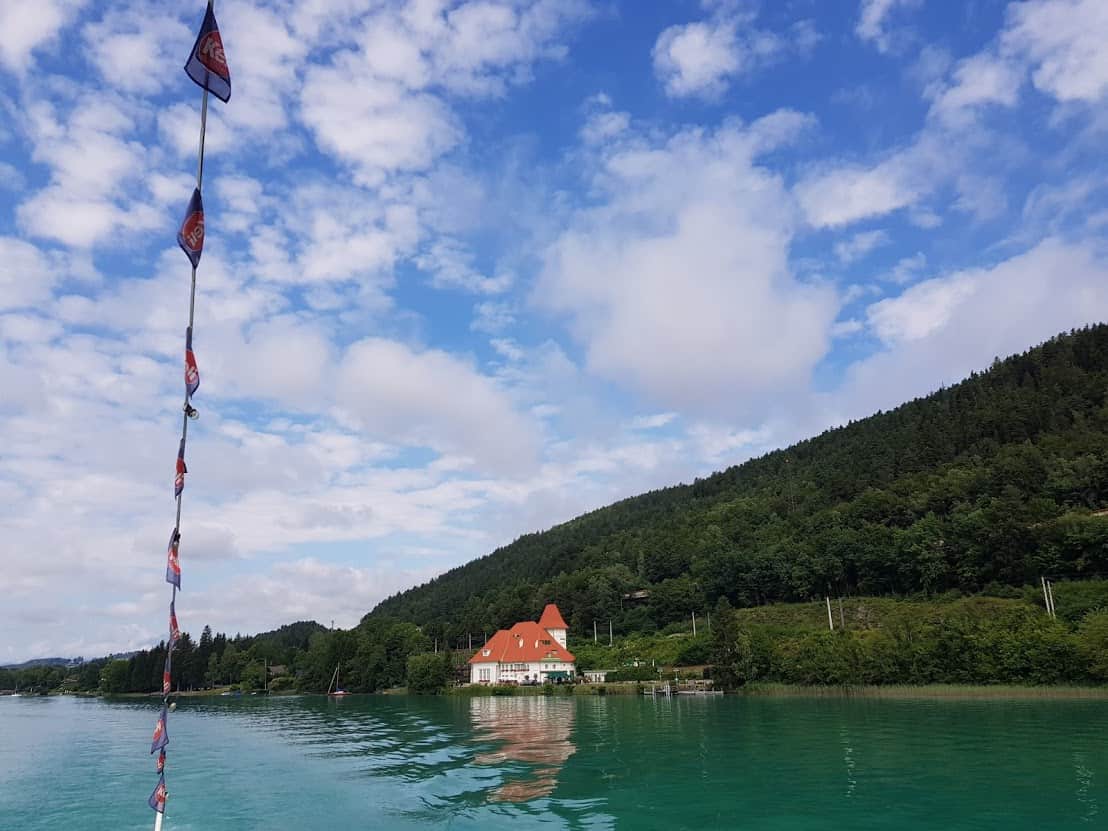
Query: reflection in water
(1084, 791)
(533, 729)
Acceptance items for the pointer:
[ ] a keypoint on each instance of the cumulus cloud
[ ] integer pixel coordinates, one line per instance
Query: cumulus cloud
(433, 399)
(1063, 40)
(702, 58)
(685, 258)
(29, 24)
(873, 21)
(938, 331)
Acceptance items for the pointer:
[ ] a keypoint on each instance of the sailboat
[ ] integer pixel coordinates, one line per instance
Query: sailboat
(333, 689)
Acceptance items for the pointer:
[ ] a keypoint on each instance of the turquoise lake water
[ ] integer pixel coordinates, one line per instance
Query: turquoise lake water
(383, 762)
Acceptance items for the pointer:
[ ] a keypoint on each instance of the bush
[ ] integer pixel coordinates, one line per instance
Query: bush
(1092, 643)
(428, 673)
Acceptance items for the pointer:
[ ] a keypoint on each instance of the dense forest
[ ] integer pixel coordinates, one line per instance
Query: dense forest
(951, 508)
(992, 482)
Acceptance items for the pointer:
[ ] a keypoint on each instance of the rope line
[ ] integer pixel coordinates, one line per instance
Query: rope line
(207, 67)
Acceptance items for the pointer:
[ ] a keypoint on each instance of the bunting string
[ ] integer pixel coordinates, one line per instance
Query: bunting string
(207, 67)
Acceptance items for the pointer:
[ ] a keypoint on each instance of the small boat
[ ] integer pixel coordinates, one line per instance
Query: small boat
(333, 689)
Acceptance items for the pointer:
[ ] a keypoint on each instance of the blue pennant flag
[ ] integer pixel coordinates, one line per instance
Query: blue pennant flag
(191, 235)
(174, 630)
(161, 732)
(167, 673)
(161, 761)
(207, 65)
(157, 799)
(173, 564)
(192, 372)
(179, 478)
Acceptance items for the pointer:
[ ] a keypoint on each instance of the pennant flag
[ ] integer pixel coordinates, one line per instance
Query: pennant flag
(207, 65)
(161, 733)
(179, 479)
(167, 673)
(191, 235)
(192, 373)
(173, 565)
(161, 761)
(174, 631)
(157, 799)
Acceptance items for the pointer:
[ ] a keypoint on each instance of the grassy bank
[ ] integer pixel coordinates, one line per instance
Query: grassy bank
(477, 690)
(951, 692)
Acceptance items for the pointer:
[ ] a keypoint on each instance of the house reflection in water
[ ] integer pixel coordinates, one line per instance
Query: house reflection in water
(535, 730)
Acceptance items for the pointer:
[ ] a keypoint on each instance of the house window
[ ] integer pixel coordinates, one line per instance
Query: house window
(484, 674)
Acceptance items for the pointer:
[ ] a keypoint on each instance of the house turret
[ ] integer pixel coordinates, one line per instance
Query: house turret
(553, 623)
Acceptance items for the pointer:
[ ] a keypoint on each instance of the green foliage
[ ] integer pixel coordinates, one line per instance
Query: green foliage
(1093, 643)
(428, 673)
(114, 677)
(986, 484)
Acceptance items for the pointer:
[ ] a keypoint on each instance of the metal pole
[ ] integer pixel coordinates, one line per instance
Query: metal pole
(830, 620)
(594, 631)
(158, 821)
(1050, 592)
(1046, 597)
(694, 624)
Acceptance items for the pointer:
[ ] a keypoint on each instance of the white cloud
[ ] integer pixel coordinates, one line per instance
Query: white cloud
(29, 24)
(1063, 40)
(702, 58)
(873, 20)
(979, 80)
(434, 399)
(379, 107)
(839, 196)
(859, 245)
(687, 257)
(26, 274)
(131, 47)
(940, 330)
(492, 317)
(451, 266)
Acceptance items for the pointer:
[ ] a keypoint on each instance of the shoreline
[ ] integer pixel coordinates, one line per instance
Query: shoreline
(950, 692)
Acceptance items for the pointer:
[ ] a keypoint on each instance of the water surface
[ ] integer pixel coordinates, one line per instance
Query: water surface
(385, 762)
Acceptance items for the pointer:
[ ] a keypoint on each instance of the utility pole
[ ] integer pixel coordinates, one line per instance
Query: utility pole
(1047, 598)
(694, 624)
(830, 620)
(594, 631)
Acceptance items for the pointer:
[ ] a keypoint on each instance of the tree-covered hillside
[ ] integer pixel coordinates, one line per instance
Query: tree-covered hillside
(991, 482)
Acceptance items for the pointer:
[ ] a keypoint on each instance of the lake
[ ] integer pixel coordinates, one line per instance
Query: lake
(394, 762)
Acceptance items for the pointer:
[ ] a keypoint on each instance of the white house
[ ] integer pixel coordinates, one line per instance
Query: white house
(528, 651)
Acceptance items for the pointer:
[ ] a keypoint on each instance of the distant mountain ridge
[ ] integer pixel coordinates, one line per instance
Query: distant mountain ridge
(990, 482)
(51, 662)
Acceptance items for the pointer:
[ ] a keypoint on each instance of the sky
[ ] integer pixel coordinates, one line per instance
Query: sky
(473, 268)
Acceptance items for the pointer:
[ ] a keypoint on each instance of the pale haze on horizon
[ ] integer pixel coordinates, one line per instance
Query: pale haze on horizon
(473, 268)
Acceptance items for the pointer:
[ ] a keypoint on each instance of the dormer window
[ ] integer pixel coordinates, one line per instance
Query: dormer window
(486, 652)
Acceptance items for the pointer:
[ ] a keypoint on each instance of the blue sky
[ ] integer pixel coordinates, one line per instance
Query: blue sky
(473, 268)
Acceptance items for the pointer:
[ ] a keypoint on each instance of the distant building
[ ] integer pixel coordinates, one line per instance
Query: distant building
(527, 652)
(596, 676)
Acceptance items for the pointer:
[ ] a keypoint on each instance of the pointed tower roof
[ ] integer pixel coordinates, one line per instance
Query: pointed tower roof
(552, 618)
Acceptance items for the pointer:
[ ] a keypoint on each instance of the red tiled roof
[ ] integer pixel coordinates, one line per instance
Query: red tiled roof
(552, 618)
(524, 643)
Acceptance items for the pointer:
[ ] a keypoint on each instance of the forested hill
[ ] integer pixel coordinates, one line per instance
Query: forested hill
(991, 482)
